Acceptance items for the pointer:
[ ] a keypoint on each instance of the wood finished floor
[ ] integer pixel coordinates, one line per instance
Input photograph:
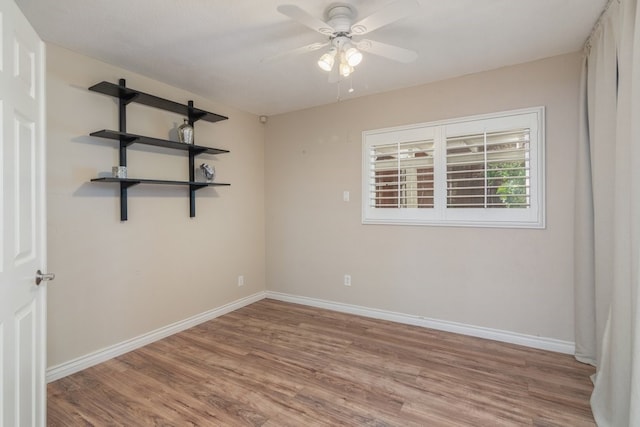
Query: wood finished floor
(279, 364)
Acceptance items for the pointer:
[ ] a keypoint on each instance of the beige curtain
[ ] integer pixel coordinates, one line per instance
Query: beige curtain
(607, 225)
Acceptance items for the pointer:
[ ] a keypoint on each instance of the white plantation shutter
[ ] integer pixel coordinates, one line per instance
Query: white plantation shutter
(475, 171)
(401, 175)
(489, 170)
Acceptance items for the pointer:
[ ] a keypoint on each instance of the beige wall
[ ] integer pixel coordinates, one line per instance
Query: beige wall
(515, 280)
(114, 280)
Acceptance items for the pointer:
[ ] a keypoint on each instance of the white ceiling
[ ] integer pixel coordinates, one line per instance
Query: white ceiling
(214, 47)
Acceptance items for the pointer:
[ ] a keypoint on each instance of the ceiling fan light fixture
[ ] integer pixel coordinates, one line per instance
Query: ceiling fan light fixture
(327, 60)
(339, 25)
(345, 69)
(353, 56)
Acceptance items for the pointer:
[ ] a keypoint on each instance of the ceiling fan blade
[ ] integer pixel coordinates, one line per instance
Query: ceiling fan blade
(297, 51)
(388, 14)
(388, 51)
(297, 14)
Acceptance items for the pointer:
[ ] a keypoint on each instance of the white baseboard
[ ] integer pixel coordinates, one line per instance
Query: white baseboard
(532, 341)
(91, 359)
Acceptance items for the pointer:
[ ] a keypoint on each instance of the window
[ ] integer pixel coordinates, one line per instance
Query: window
(475, 171)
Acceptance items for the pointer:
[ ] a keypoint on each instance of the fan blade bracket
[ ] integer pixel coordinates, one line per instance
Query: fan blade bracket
(314, 46)
(364, 45)
(358, 29)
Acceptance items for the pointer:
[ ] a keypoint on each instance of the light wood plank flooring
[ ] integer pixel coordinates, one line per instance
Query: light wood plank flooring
(279, 364)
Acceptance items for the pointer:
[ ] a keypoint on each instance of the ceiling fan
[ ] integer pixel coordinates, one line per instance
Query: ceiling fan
(340, 28)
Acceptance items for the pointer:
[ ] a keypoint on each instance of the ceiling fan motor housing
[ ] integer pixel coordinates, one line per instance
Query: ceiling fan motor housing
(340, 16)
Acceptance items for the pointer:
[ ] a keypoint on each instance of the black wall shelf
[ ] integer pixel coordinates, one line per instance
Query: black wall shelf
(130, 138)
(127, 95)
(128, 182)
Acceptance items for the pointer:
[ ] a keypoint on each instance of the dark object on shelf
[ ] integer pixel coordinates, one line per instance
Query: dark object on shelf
(126, 96)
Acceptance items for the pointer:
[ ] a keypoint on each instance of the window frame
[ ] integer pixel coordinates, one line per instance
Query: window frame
(530, 217)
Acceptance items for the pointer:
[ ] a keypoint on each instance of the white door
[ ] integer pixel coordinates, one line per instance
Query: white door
(22, 222)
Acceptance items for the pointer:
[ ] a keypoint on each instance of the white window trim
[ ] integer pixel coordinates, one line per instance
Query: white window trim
(532, 217)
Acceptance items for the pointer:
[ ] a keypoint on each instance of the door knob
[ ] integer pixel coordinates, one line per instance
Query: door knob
(40, 276)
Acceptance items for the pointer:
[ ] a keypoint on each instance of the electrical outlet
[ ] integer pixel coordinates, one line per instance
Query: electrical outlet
(345, 196)
(347, 280)
(240, 280)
